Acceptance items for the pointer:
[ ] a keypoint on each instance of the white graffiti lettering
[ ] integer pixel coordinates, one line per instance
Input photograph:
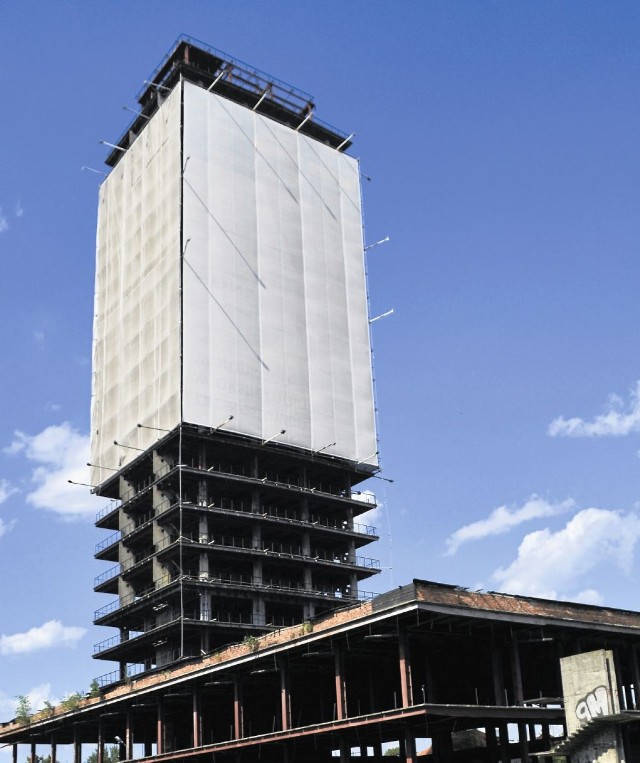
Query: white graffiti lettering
(595, 703)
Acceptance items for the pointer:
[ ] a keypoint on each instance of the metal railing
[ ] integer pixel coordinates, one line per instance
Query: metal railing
(195, 576)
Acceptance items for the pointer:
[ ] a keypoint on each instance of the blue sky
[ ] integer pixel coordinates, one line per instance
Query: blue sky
(502, 143)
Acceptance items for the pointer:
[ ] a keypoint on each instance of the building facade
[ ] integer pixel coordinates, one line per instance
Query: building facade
(233, 415)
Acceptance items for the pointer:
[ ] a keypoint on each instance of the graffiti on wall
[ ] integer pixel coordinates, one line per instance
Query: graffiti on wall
(593, 705)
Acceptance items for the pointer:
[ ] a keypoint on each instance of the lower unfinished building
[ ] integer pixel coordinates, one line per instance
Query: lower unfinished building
(432, 669)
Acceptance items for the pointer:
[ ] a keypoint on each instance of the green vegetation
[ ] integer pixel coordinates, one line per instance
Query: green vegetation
(111, 755)
(23, 711)
(251, 642)
(72, 702)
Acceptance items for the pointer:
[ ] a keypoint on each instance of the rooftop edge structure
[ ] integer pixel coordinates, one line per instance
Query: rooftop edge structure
(232, 410)
(425, 661)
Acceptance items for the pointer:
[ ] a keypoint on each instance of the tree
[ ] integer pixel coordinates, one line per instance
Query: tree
(94, 688)
(72, 702)
(392, 752)
(111, 755)
(23, 710)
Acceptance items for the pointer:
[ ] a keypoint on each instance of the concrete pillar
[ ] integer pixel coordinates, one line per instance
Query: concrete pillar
(258, 602)
(77, 746)
(516, 673)
(442, 747)
(54, 752)
(203, 497)
(14, 753)
(148, 748)
(353, 590)
(203, 529)
(33, 752)
(492, 745)
(160, 728)
(285, 697)
(406, 689)
(196, 718)
(238, 714)
(635, 673)
(100, 751)
(345, 752)
(409, 746)
(304, 509)
(523, 743)
(128, 736)
(498, 675)
(341, 693)
(505, 756)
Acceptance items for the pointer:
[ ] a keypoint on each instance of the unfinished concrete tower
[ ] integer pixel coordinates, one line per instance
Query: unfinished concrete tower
(232, 412)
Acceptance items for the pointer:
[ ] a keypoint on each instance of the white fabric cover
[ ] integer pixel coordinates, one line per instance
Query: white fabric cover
(136, 336)
(274, 313)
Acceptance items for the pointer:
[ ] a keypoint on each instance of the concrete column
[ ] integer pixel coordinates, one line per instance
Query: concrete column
(635, 674)
(341, 693)
(406, 689)
(505, 756)
(128, 736)
(516, 673)
(285, 697)
(523, 743)
(304, 509)
(498, 675)
(54, 751)
(100, 752)
(77, 747)
(203, 529)
(410, 746)
(238, 714)
(160, 728)
(492, 746)
(14, 753)
(197, 718)
(442, 747)
(354, 585)
(33, 752)
(148, 748)
(203, 498)
(345, 752)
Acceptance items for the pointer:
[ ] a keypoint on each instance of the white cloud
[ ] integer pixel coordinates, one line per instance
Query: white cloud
(18, 210)
(4, 223)
(503, 519)
(616, 421)
(374, 515)
(5, 527)
(39, 336)
(47, 636)
(61, 454)
(553, 564)
(6, 490)
(37, 696)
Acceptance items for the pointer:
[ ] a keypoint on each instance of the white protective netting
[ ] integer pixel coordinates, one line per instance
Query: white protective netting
(275, 314)
(136, 353)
